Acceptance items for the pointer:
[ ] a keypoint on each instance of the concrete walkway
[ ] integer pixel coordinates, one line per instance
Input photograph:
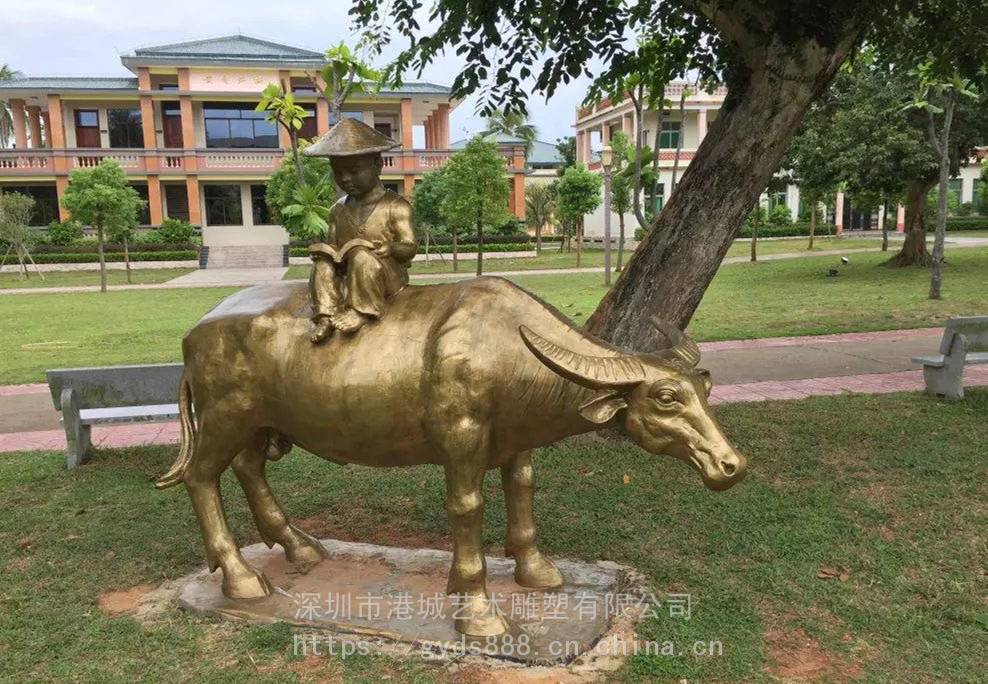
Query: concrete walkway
(742, 370)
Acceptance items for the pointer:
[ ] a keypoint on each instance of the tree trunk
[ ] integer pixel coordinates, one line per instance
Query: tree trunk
(299, 170)
(456, 260)
(102, 258)
(754, 233)
(480, 248)
(943, 147)
(579, 241)
(639, 131)
(683, 249)
(20, 260)
(885, 226)
(812, 223)
(427, 231)
(620, 254)
(914, 252)
(127, 260)
(538, 240)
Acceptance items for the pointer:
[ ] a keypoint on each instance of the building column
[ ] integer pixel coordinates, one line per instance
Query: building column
(429, 138)
(628, 126)
(20, 128)
(192, 189)
(56, 129)
(900, 219)
(518, 162)
(701, 125)
(605, 134)
(322, 116)
(61, 183)
(442, 118)
(34, 123)
(406, 123)
(408, 185)
(579, 146)
(188, 134)
(150, 139)
(839, 214)
(47, 124)
(154, 200)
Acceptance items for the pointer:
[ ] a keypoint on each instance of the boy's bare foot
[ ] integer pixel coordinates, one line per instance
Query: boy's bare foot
(348, 321)
(324, 328)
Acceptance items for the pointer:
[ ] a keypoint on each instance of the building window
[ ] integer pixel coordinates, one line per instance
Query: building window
(263, 216)
(310, 127)
(953, 194)
(171, 123)
(167, 86)
(87, 128)
(384, 128)
(303, 86)
(45, 201)
(223, 205)
(144, 215)
(669, 137)
(125, 127)
(177, 201)
(237, 125)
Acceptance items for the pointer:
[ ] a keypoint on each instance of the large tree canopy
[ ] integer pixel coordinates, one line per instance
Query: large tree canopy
(775, 56)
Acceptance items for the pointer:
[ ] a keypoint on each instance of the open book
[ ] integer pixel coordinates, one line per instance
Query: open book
(338, 254)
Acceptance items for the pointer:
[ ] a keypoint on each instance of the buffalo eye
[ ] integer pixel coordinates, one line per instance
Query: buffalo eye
(666, 397)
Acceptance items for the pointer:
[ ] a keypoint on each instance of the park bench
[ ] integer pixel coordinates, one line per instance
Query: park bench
(111, 394)
(964, 341)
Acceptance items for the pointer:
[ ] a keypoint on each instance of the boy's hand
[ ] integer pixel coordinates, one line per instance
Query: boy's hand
(382, 249)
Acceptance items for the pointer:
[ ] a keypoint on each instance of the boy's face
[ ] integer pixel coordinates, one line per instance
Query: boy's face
(357, 175)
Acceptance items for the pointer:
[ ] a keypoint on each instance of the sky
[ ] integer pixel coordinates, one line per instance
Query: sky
(87, 37)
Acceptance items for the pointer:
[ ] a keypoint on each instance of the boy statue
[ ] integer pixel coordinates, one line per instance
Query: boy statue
(373, 241)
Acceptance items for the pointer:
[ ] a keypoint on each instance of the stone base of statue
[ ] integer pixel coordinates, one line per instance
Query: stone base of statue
(376, 599)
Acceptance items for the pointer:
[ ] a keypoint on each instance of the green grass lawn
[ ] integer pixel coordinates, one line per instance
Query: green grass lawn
(78, 278)
(890, 487)
(791, 297)
(553, 258)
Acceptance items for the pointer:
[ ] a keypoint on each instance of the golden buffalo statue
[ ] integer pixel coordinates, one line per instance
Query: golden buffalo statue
(470, 376)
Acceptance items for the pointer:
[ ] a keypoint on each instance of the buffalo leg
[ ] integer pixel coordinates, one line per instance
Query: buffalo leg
(269, 516)
(474, 613)
(213, 453)
(532, 569)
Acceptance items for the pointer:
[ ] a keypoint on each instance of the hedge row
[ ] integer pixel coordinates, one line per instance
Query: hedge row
(92, 257)
(963, 223)
(464, 240)
(447, 249)
(794, 230)
(91, 248)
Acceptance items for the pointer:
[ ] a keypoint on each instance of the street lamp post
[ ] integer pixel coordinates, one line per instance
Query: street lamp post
(606, 159)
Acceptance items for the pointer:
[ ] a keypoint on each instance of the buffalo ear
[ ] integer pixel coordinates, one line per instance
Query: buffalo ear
(708, 385)
(602, 407)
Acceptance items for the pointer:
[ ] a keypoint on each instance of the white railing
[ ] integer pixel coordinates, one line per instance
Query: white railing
(225, 160)
(26, 161)
(129, 160)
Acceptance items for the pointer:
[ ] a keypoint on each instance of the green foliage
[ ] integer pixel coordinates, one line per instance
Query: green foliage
(965, 209)
(779, 216)
(284, 183)
(427, 199)
(477, 189)
(174, 231)
(540, 204)
(102, 198)
(93, 257)
(346, 73)
(621, 182)
(308, 214)
(567, 150)
(579, 194)
(15, 215)
(64, 232)
(967, 223)
(514, 124)
(281, 108)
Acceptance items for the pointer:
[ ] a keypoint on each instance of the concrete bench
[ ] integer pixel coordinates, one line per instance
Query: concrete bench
(111, 394)
(964, 341)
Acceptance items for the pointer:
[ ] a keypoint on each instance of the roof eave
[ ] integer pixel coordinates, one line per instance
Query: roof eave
(135, 62)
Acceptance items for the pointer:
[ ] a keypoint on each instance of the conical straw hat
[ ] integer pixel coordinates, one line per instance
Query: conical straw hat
(350, 137)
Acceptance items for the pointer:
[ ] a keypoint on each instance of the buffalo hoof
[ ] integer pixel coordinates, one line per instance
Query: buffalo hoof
(475, 615)
(247, 585)
(535, 571)
(303, 550)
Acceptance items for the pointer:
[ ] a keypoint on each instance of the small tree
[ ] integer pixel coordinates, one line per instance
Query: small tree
(283, 191)
(101, 198)
(123, 232)
(345, 74)
(477, 191)
(620, 187)
(566, 146)
(540, 203)
(15, 215)
(579, 195)
(427, 198)
(512, 123)
(281, 109)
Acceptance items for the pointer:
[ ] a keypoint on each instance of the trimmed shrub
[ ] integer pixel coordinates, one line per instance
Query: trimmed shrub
(174, 231)
(964, 223)
(90, 247)
(93, 257)
(64, 232)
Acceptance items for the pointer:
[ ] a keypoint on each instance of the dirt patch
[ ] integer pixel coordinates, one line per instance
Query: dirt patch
(359, 527)
(120, 602)
(795, 656)
(18, 564)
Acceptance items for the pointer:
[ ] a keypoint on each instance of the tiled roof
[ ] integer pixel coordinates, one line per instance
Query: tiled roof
(230, 47)
(70, 83)
(541, 152)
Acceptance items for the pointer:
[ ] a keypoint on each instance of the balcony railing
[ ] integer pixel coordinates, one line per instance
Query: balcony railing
(137, 161)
